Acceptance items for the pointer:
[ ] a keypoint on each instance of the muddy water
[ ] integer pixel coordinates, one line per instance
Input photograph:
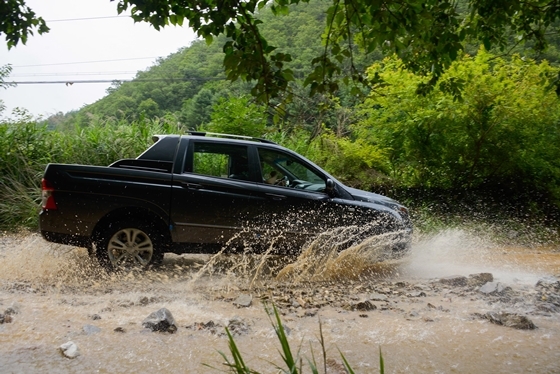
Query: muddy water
(421, 325)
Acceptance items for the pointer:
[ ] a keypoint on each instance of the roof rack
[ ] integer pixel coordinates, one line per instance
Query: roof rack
(229, 136)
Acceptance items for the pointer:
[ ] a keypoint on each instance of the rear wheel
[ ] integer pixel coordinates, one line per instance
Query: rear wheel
(129, 245)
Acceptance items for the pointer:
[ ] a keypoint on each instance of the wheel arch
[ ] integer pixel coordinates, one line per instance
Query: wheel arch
(140, 215)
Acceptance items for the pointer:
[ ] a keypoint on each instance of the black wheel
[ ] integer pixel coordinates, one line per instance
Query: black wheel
(129, 244)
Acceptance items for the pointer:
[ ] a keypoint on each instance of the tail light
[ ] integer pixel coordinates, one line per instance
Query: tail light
(47, 195)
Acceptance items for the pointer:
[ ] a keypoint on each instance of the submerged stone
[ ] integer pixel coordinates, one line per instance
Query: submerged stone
(454, 280)
(243, 301)
(480, 279)
(492, 288)
(91, 329)
(512, 320)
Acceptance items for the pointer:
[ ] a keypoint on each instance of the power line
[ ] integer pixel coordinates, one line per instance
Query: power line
(72, 81)
(86, 62)
(61, 74)
(84, 19)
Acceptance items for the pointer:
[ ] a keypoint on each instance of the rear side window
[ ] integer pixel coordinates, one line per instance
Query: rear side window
(220, 160)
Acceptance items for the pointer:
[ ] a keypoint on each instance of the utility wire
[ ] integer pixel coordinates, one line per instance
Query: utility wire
(86, 62)
(72, 81)
(84, 19)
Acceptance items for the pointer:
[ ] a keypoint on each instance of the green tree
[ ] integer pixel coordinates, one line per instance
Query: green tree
(505, 130)
(17, 22)
(238, 115)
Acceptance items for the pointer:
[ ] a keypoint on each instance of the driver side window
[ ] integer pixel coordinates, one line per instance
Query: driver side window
(284, 170)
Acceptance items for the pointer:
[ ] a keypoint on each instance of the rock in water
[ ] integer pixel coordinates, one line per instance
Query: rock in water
(70, 350)
(480, 279)
(91, 329)
(454, 280)
(243, 301)
(512, 320)
(161, 320)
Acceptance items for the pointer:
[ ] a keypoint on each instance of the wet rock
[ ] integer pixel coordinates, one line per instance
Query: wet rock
(243, 301)
(480, 279)
(378, 297)
(70, 349)
(15, 308)
(454, 280)
(334, 367)
(493, 288)
(210, 326)
(91, 329)
(416, 294)
(512, 320)
(362, 306)
(143, 301)
(238, 326)
(161, 320)
(549, 284)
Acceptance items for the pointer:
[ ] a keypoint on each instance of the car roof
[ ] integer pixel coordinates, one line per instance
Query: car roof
(218, 137)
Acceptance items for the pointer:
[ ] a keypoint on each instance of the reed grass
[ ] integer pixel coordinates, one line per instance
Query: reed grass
(293, 363)
(26, 147)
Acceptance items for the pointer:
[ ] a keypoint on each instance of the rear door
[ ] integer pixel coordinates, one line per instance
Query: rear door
(215, 195)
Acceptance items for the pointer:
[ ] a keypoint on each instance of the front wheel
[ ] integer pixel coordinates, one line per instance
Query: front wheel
(128, 245)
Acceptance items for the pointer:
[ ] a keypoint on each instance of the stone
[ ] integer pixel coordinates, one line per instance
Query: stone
(243, 301)
(416, 294)
(480, 279)
(91, 329)
(454, 280)
(237, 326)
(14, 309)
(70, 349)
(378, 297)
(512, 320)
(493, 288)
(161, 320)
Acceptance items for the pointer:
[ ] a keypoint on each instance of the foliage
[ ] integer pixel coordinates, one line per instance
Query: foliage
(237, 115)
(504, 130)
(428, 35)
(18, 22)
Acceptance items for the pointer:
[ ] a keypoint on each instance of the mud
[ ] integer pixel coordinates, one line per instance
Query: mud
(56, 293)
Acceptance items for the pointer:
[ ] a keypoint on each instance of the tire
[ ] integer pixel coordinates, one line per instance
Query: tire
(129, 244)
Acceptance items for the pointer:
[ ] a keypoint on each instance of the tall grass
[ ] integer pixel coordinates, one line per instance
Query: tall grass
(26, 147)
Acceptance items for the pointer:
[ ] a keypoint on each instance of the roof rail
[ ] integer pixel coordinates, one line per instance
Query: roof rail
(230, 136)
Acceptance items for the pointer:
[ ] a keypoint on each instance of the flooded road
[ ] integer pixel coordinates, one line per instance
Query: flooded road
(422, 318)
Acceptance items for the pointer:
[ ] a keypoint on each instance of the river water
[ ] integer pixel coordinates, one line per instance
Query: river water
(420, 324)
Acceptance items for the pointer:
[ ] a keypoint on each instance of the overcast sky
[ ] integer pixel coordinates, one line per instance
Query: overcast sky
(73, 50)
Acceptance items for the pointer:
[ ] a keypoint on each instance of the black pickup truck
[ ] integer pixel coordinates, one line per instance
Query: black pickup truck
(200, 192)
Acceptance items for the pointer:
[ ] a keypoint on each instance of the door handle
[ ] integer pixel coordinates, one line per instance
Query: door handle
(191, 186)
(275, 196)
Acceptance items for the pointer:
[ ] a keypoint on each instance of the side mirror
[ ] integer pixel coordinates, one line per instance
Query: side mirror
(329, 187)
